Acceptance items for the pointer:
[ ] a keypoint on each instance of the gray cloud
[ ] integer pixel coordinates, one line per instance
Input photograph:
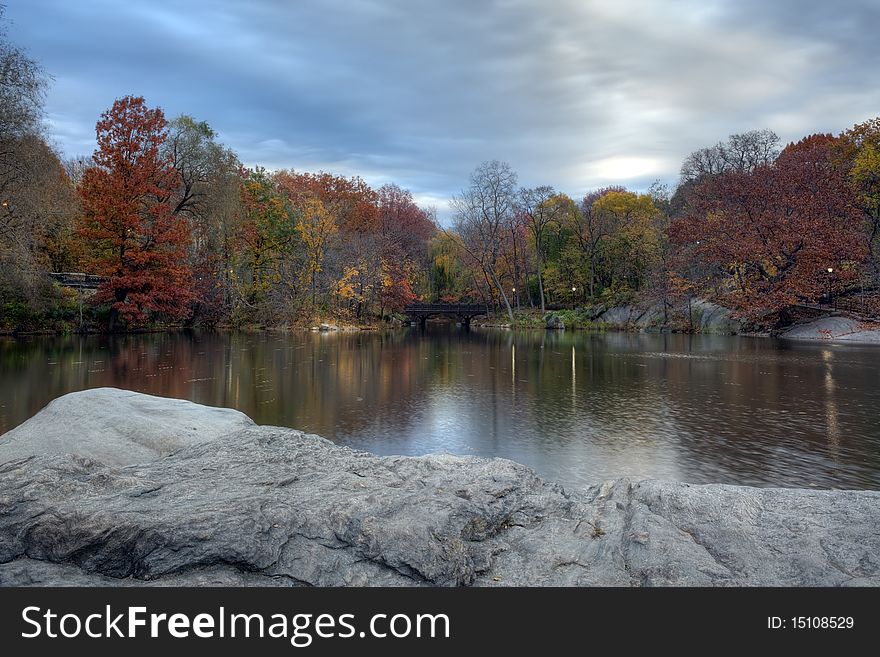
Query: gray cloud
(571, 93)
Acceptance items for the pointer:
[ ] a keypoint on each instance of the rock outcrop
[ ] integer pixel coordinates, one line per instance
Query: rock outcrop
(836, 328)
(705, 317)
(622, 316)
(554, 322)
(268, 505)
(714, 319)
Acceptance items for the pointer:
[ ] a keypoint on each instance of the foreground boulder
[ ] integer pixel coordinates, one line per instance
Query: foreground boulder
(272, 506)
(118, 427)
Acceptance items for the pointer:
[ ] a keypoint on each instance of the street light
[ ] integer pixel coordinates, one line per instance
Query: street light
(830, 271)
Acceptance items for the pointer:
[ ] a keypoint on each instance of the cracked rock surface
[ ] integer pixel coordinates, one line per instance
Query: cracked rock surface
(258, 505)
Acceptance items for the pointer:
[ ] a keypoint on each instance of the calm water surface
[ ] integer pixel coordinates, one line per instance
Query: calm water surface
(577, 407)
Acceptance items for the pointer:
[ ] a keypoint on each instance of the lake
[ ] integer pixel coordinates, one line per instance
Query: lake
(577, 407)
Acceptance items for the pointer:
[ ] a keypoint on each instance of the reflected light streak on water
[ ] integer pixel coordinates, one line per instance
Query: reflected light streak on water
(577, 407)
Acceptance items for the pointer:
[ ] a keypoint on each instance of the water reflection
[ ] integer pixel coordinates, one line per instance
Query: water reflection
(577, 407)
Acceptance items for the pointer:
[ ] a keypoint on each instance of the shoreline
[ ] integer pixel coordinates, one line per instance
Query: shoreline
(706, 319)
(871, 337)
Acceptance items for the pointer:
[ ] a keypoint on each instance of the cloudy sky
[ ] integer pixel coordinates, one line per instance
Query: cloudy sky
(572, 93)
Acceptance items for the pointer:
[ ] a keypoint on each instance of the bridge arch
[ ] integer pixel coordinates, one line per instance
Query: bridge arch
(461, 312)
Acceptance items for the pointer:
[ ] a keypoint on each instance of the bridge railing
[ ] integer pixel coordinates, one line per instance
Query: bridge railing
(447, 308)
(77, 279)
(867, 304)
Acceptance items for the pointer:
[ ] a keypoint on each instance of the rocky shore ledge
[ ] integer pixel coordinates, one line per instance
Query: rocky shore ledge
(108, 487)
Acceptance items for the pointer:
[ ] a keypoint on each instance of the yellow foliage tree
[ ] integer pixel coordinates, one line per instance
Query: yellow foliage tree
(315, 227)
(635, 235)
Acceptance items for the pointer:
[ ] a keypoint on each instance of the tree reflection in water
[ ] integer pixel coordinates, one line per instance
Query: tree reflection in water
(577, 407)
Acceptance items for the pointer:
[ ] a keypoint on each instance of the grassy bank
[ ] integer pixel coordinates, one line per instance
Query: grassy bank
(574, 318)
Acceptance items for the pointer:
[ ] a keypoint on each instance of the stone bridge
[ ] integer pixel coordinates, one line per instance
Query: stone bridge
(77, 280)
(460, 312)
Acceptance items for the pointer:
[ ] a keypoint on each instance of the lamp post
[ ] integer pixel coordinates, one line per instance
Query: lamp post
(830, 272)
(573, 299)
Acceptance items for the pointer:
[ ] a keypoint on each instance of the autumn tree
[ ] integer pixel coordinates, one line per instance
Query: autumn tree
(192, 148)
(350, 201)
(348, 250)
(859, 154)
(741, 153)
(37, 217)
(661, 283)
(23, 85)
(589, 230)
(382, 258)
(544, 212)
(404, 230)
(634, 238)
(28, 170)
(264, 271)
(449, 279)
(396, 289)
(483, 213)
(75, 168)
(139, 244)
(771, 233)
(402, 224)
(315, 227)
(37, 232)
(207, 196)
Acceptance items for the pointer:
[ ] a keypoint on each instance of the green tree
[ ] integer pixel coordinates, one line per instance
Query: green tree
(860, 147)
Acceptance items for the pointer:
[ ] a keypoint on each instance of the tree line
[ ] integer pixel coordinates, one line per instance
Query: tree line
(183, 233)
(752, 225)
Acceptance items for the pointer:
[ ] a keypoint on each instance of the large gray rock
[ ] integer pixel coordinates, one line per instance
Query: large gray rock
(642, 317)
(712, 318)
(622, 316)
(653, 317)
(836, 328)
(118, 427)
(705, 316)
(266, 505)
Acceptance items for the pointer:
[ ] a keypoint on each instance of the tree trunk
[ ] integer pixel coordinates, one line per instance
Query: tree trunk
(480, 290)
(592, 275)
(113, 322)
(503, 295)
(541, 288)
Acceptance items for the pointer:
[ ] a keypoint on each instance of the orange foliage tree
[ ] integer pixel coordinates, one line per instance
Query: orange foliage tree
(139, 245)
(350, 201)
(403, 232)
(771, 234)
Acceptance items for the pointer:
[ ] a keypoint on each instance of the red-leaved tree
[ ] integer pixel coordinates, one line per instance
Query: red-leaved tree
(770, 235)
(139, 245)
